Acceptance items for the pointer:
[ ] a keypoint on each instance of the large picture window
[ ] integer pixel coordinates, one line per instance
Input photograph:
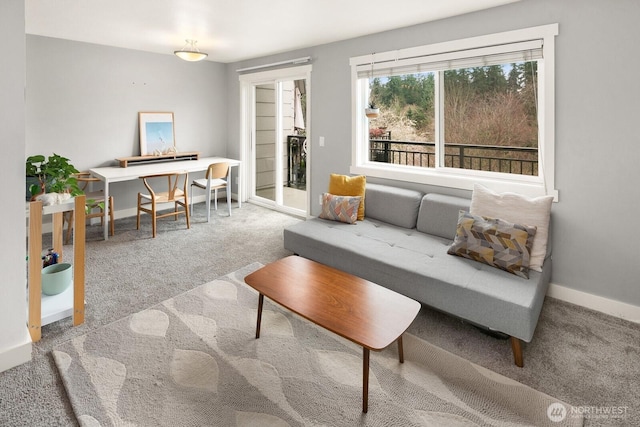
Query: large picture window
(456, 113)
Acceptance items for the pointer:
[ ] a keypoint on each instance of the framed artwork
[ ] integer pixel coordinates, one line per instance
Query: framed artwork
(157, 135)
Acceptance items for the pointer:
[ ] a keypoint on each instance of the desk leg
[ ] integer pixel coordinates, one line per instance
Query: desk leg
(365, 380)
(400, 349)
(260, 302)
(207, 199)
(105, 220)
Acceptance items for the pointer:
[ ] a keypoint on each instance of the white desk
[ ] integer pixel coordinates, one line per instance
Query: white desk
(111, 174)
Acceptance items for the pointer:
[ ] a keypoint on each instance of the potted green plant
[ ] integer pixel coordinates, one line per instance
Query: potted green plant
(372, 111)
(53, 174)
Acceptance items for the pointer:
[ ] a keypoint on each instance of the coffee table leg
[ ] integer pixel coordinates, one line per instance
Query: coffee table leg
(260, 302)
(365, 380)
(400, 350)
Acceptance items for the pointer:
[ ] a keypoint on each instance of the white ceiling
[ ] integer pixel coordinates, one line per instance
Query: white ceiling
(232, 30)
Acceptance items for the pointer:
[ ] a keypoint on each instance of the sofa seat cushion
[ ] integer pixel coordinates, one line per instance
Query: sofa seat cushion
(417, 265)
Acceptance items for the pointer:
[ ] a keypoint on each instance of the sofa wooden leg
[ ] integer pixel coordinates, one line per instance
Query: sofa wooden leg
(516, 346)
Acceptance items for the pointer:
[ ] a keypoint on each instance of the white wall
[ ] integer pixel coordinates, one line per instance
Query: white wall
(15, 343)
(597, 137)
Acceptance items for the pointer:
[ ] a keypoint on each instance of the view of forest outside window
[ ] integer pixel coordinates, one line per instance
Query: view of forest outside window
(489, 118)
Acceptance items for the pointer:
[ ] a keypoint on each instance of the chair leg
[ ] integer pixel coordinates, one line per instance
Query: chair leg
(138, 219)
(229, 199)
(186, 213)
(215, 199)
(153, 218)
(69, 227)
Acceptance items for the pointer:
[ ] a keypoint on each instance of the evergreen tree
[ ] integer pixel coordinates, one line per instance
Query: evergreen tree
(496, 82)
(513, 79)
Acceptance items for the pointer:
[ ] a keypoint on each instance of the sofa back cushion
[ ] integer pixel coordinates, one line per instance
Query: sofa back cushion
(397, 206)
(439, 214)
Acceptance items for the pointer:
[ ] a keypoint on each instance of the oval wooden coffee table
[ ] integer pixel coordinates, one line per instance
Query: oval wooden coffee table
(354, 308)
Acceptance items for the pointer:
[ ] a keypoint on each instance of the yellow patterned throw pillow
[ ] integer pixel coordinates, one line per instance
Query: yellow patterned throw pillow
(494, 242)
(340, 208)
(343, 185)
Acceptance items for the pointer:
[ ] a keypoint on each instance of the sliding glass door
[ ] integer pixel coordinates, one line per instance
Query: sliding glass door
(274, 138)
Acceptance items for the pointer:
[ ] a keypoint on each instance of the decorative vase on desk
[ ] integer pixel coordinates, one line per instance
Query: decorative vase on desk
(56, 278)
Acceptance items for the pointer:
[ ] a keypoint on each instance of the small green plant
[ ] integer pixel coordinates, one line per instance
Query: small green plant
(54, 174)
(372, 110)
(91, 204)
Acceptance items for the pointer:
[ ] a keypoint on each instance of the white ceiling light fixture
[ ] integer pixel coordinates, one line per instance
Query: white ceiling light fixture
(190, 52)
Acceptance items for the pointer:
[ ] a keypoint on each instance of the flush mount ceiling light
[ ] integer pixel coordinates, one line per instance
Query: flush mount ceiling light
(190, 52)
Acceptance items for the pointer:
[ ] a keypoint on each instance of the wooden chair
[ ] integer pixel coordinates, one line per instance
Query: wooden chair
(173, 195)
(94, 200)
(217, 177)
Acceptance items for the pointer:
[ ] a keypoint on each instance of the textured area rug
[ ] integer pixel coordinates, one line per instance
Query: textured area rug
(193, 360)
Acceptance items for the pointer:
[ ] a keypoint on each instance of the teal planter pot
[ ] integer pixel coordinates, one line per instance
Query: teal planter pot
(56, 278)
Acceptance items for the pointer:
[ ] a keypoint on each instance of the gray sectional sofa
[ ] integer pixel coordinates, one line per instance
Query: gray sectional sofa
(402, 245)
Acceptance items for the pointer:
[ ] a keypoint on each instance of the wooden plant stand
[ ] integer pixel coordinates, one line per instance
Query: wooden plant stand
(47, 309)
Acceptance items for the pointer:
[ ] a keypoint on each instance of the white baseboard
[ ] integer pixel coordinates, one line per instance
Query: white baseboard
(125, 213)
(17, 355)
(594, 302)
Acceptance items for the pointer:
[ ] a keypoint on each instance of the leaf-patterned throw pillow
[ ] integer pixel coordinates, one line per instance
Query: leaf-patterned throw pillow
(494, 242)
(340, 208)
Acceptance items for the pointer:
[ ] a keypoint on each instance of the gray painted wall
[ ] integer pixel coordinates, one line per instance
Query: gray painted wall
(596, 110)
(83, 102)
(15, 343)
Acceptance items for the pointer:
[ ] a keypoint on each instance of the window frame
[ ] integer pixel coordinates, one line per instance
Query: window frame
(542, 184)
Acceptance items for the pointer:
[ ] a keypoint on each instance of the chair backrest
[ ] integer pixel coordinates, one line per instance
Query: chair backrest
(84, 178)
(173, 178)
(217, 170)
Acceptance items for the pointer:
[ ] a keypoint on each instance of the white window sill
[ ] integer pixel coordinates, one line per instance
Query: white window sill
(531, 186)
